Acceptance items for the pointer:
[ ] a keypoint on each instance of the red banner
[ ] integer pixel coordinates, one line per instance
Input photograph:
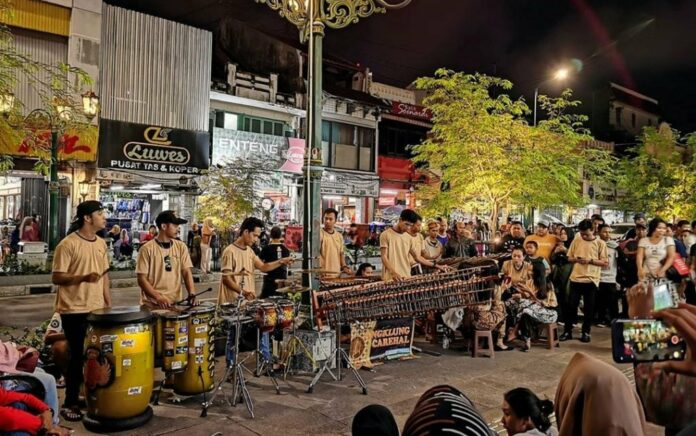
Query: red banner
(411, 111)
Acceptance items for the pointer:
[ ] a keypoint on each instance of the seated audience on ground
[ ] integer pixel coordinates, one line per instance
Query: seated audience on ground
(526, 414)
(517, 269)
(445, 410)
(595, 398)
(531, 248)
(374, 420)
(24, 414)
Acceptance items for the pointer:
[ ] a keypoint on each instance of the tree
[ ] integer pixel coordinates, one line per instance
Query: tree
(56, 85)
(487, 154)
(230, 191)
(659, 175)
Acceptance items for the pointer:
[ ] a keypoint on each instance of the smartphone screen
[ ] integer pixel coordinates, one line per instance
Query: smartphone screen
(662, 296)
(645, 340)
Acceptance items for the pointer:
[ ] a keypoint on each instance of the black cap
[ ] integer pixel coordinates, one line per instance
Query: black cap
(639, 215)
(169, 217)
(641, 226)
(88, 207)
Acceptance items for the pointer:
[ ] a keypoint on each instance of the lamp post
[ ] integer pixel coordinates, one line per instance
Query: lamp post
(312, 17)
(53, 120)
(560, 75)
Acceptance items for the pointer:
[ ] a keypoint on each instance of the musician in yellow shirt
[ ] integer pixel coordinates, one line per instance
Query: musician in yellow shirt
(332, 256)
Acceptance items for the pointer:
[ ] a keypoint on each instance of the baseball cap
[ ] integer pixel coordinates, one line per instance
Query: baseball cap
(543, 223)
(88, 207)
(638, 216)
(641, 226)
(169, 217)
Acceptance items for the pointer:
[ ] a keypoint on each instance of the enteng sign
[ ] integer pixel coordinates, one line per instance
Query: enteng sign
(281, 153)
(130, 146)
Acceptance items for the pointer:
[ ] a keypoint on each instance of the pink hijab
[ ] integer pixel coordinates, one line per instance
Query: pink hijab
(594, 398)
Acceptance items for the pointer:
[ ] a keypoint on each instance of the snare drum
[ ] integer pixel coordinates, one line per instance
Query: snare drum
(286, 311)
(175, 342)
(200, 371)
(265, 313)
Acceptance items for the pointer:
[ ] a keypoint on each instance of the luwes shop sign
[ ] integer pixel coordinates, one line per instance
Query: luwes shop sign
(130, 146)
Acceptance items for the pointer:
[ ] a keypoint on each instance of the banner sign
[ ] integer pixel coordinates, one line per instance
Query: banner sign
(131, 146)
(72, 145)
(281, 153)
(411, 111)
(381, 339)
(349, 184)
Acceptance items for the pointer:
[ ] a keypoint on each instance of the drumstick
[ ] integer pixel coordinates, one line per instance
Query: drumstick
(195, 295)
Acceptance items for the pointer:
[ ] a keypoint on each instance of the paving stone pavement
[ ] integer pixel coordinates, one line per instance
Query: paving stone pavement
(397, 385)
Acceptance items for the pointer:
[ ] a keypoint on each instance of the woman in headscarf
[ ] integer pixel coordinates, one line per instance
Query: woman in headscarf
(561, 268)
(594, 398)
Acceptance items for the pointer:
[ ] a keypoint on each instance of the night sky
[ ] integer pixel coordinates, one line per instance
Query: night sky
(648, 45)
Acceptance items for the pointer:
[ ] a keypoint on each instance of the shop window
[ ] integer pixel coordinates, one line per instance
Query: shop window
(278, 129)
(617, 113)
(347, 146)
(255, 125)
(633, 120)
(230, 121)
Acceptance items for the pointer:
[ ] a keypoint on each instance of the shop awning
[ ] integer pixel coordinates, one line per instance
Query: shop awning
(411, 121)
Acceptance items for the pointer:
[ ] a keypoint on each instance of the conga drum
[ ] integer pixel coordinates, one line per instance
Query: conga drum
(286, 311)
(198, 377)
(118, 368)
(174, 336)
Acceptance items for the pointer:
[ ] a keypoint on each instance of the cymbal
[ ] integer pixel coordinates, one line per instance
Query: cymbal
(244, 273)
(292, 289)
(287, 282)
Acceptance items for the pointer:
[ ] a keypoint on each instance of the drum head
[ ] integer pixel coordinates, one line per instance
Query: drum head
(202, 309)
(174, 315)
(120, 315)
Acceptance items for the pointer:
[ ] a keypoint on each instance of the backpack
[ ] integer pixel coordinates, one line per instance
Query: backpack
(23, 383)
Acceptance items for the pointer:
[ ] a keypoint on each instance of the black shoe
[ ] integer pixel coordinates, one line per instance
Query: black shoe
(567, 336)
(585, 338)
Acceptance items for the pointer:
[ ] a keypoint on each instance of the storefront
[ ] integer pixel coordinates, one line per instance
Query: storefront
(146, 169)
(352, 194)
(281, 159)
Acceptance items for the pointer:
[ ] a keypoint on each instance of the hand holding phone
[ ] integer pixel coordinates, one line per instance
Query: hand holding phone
(683, 319)
(645, 340)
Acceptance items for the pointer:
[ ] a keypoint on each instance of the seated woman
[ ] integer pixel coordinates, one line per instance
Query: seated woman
(490, 317)
(365, 270)
(23, 414)
(533, 303)
(526, 414)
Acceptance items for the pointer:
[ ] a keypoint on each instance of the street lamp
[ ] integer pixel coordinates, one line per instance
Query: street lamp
(560, 75)
(55, 121)
(311, 18)
(84, 189)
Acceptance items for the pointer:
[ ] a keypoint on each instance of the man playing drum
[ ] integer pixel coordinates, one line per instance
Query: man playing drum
(162, 265)
(240, 257)
(80, 270)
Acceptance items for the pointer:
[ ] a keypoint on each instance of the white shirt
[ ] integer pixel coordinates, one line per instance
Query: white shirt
(655, 253)
(608, 274)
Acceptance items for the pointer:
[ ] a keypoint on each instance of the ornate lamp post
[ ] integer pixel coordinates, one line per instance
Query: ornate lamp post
(55, 121)
(311, 18)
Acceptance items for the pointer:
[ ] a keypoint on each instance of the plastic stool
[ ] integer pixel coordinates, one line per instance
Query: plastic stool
(489, 343)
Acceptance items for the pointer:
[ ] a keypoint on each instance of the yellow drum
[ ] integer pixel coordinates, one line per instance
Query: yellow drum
(158, 334)
(198, 377)
(174, 336)
(118, 368)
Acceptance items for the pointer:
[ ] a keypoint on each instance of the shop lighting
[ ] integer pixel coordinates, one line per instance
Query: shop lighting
(333, 197)
(388, 191)
(117, 187)
(151, 186)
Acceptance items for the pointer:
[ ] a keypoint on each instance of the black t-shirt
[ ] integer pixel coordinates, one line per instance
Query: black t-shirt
(509, 242)
(692, 251)
(268, 254)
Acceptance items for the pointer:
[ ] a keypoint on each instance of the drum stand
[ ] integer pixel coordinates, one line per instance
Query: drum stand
(263, 365)
(339, 356)
(236, 371)
(291, 347)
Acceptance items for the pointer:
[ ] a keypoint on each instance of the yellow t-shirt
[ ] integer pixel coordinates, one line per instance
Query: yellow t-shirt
(591, 250)
(332, 249)
(78, 256)
(235, 259)
(417, 243)
(546, 244)
(398, 247)
(521, 276)
(153, 264)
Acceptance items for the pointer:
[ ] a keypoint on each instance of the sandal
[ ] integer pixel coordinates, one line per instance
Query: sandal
(72, 414)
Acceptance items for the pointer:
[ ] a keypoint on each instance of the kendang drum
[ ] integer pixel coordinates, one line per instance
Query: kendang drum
(198, 377)
(265, 313)
(118, 368)
(285, 310)
(158, 335)
(175, 340)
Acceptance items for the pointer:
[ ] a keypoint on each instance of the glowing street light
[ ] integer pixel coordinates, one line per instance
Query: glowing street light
(560, 75)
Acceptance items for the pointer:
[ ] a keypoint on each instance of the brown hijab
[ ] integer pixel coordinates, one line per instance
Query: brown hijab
(594, 398)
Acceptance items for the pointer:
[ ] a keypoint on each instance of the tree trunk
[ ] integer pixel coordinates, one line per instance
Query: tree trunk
(495, 211)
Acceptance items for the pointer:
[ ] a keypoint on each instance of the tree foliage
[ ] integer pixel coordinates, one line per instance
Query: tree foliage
(229, 191)
(59, 84)
(659, 176)
(487, 154)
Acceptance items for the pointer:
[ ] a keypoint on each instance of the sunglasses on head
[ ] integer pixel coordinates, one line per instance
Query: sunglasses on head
(167, 263)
